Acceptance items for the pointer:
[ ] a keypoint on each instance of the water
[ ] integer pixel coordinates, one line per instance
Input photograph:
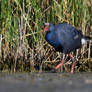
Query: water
(46, 82)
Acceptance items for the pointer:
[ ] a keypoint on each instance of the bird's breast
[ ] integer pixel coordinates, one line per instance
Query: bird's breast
(53, 41)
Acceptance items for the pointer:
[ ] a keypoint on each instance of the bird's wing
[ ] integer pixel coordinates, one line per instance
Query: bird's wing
(67, 32)
(68, 36)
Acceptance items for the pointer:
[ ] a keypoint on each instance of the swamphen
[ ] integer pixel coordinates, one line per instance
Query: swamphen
(64, 38)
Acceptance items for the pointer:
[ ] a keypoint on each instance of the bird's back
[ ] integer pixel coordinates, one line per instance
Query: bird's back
(68, 37)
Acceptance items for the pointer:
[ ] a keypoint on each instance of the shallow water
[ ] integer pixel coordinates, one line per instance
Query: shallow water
(46, 82)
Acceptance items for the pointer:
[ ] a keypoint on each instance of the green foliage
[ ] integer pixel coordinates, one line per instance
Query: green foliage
(21, 24)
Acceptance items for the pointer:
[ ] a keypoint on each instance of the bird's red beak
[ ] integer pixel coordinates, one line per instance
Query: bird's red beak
(45, 29)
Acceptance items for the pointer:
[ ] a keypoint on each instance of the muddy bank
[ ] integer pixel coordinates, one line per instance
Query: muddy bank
(46, 82)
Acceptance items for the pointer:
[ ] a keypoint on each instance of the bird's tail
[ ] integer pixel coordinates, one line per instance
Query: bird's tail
(86, 39)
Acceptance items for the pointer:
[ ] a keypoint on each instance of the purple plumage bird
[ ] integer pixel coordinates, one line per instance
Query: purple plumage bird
(64, 38)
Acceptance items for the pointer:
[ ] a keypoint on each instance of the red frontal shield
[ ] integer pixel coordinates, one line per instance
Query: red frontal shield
(45, 29)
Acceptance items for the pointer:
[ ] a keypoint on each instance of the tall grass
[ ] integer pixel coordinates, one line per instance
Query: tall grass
(22, 44)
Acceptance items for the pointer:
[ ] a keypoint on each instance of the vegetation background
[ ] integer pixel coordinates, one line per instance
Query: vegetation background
(22, 43)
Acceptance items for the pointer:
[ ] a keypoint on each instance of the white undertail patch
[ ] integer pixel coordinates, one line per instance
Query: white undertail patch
(83, 41)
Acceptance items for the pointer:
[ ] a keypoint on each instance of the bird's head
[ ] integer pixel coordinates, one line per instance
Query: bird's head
(48, 27)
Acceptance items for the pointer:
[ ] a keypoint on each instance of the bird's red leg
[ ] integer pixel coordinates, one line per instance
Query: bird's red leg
(61, 63)
(73, 63)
